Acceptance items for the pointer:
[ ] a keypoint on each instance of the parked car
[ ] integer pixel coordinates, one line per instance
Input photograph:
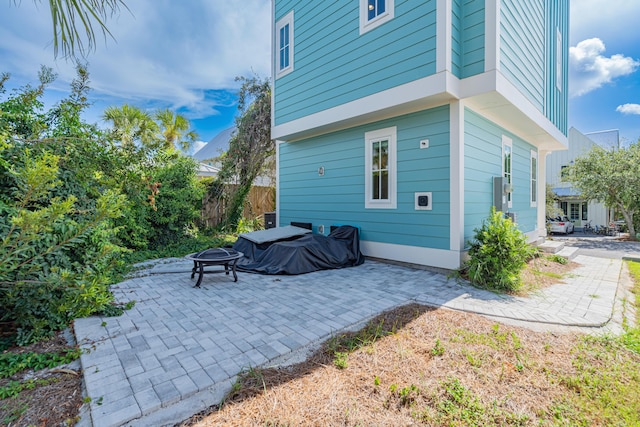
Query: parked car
(561, 224)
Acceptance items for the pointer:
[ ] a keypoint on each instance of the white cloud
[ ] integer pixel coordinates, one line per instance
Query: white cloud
(589, 69)
(164, 51)
(611, 21)
(629, 109)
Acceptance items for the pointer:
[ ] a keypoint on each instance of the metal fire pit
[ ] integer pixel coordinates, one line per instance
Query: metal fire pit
(226, 257)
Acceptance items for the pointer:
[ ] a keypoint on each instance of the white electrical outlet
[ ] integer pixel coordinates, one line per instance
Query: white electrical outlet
(321, 229)
(424, 143)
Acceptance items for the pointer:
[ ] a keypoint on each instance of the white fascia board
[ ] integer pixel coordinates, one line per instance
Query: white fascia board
(450, 260)
(417, 95)
(515, 97)
(526, 115)
(525, 119)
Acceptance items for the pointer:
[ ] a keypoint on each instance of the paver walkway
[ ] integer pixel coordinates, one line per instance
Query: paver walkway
(179, 349)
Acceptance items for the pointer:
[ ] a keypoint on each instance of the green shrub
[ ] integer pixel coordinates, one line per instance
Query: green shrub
(54, 263)
(178, 200)
(497, 254)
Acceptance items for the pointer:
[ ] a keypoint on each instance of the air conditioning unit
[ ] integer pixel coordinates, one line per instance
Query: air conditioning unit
(513, 216)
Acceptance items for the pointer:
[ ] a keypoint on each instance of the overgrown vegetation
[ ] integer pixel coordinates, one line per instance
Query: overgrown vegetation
(12, 363)
(497, 254)
(631, 337)
(74, 200)
(251, 149)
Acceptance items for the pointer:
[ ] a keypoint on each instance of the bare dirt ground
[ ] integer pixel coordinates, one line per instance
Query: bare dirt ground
(316, 392)
(54, 399)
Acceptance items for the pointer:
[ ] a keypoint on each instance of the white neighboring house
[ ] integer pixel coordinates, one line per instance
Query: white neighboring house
(209, 154)
(215, 147)
(575, 207)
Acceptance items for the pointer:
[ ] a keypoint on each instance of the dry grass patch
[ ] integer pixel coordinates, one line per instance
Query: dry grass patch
(544, 271)
(434, 367)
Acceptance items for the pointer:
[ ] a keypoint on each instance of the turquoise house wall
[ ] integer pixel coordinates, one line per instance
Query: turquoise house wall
(483, 161)
(338, 196)
(522, 47)
(528, 53)
(456, 38)
(334, 64)
(557, 98)
(472, 40)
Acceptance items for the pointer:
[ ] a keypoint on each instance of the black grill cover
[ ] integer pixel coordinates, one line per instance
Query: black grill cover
(304, 254)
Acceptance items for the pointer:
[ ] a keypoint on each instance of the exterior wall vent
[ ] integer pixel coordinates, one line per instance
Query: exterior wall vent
(423, 201)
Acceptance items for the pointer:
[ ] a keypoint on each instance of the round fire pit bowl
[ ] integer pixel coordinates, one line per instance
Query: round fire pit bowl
(226, 257)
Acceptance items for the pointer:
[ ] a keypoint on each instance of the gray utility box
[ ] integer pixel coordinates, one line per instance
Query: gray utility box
(499, 195)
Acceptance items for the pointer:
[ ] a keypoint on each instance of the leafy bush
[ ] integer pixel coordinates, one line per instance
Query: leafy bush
(72, 201)
(54, 265)
(498, 254)
(178, 200)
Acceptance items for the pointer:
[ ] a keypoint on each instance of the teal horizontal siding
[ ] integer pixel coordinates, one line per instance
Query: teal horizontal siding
(456, 38)
(338, 196)
(557, 99)
(473, 30)
(522, 47)
(483, 161)
(334, 65)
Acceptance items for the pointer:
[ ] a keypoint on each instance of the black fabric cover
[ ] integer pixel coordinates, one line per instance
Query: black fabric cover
(303, 254)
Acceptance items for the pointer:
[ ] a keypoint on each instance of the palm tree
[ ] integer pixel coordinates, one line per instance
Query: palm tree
(131, 124)
(175, 130)
(70, 16)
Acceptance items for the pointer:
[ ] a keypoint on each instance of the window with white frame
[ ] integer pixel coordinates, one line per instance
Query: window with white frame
(380, 168)
(534, 178)
(507, 155)
(374, 13)
(284, 45)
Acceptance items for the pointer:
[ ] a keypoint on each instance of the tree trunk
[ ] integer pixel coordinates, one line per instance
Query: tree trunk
(237, 204)
(628, 218)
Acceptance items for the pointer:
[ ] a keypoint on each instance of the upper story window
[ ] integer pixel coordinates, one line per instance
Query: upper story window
(507, 162)
(380, 168)
(284, 45)
(374, 13)
(564, 172)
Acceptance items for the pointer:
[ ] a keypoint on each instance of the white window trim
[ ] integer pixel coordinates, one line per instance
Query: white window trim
(534, 188)
(507, 142)
(391, 135)
(287, 19)
(368, 25)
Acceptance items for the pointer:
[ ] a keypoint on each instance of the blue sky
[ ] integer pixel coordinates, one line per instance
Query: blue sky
(186, 55)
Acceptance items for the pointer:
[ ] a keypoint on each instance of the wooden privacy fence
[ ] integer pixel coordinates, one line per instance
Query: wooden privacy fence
(259, 201)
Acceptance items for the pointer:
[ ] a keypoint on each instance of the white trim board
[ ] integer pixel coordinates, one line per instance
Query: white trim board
(450, 260)
(456, 175)
(443, 35)
(429, 92)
